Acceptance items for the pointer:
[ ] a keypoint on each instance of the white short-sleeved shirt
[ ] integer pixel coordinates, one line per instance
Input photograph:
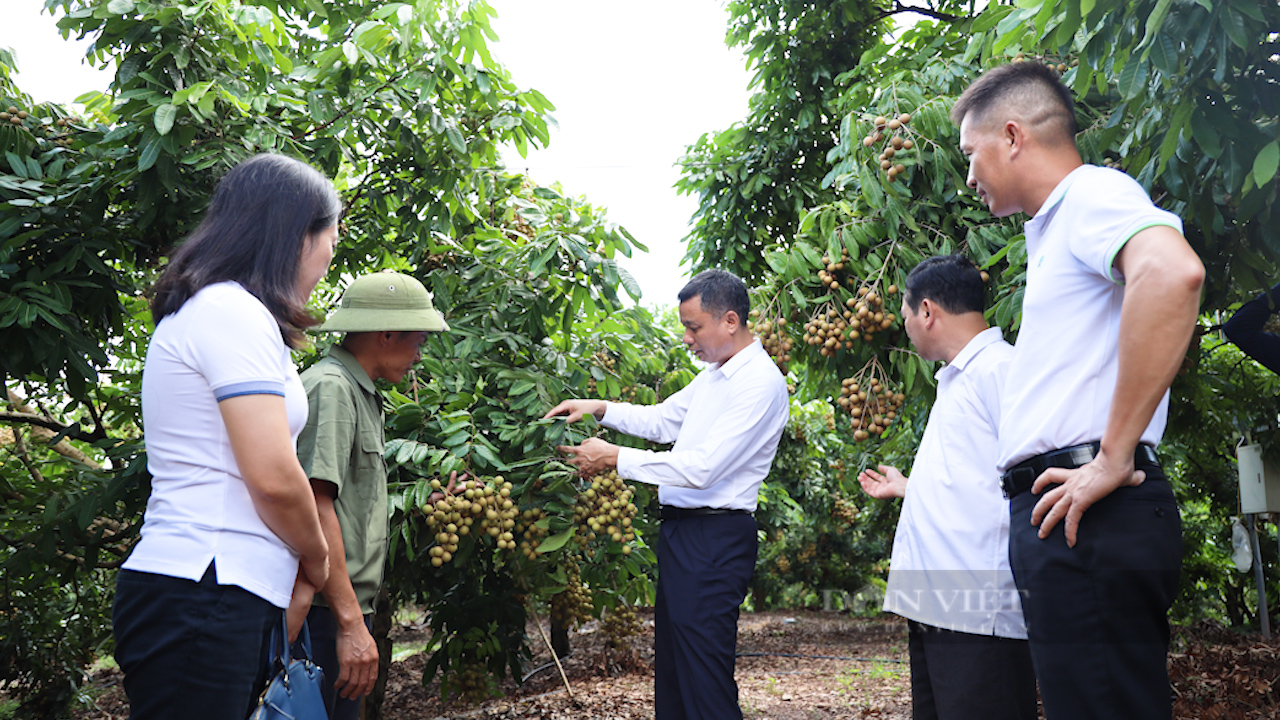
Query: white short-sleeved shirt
(1064, 370)
(725, 424)
(223, 342)
(950, 562)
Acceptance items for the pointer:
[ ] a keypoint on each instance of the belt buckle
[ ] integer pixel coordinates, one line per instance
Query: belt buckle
(1081, 455)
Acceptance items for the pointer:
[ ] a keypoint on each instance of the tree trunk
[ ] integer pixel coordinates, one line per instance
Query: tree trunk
(560, 638)
(371, 708)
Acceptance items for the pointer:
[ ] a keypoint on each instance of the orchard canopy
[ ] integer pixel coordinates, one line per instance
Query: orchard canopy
(843, 176)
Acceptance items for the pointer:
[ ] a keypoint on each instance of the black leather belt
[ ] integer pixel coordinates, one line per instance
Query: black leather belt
(1019, 478)
(671, 512)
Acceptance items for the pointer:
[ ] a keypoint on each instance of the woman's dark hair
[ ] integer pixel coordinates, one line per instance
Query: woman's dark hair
(258, 223)
(721, 291)
(953, 282)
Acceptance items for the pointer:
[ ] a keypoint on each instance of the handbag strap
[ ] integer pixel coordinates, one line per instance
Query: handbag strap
(280, 649)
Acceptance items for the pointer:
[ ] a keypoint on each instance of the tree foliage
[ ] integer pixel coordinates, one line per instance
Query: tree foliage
(1179, 95)
(403, 105)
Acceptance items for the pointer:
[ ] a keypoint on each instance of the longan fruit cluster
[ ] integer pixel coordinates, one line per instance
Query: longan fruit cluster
(1059, 67)
(605, 507)
(807, 553)
(470, 681)
(487, 503)
(440, 260)
(14, 116)
(829, 330)
(868, 311)
(784, 564)
(873, 406)
(603, 360)
(895, 130)
(59, 131)
(619, 624)
(827, 274)
(773, 335)
(531, 532)
(573, 606)
(843, 509)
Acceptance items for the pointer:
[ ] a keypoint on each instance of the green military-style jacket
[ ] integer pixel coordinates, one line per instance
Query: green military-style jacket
(342, 443)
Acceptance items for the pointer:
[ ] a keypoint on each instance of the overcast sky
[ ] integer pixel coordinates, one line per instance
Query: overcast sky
(633, 84)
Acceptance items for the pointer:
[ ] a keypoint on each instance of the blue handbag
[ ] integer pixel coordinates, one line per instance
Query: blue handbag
(294, 691)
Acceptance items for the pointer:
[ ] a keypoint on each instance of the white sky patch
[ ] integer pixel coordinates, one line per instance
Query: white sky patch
(633, 84)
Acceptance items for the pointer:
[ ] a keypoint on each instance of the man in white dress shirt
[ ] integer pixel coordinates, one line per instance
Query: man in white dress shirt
(1112, 294)
(725, 425)
(949, 574)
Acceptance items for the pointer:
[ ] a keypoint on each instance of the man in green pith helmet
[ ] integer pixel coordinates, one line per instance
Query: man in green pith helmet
(386, 317)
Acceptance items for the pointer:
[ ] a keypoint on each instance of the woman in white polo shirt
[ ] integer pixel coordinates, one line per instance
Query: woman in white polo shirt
(231, 523)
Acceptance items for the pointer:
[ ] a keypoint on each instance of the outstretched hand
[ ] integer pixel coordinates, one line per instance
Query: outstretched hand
(1077, 490)
(887, 484)
(575, 409)
(592, 457)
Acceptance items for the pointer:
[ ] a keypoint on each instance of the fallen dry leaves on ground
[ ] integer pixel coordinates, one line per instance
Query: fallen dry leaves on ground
(792, 665)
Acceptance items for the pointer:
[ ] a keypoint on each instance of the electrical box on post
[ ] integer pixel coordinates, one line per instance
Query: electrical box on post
(1259, 481)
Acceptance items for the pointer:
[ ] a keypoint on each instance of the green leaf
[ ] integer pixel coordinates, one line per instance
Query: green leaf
(811, 255)
(1206, 135)
(16, 163)
(1133, 78)
(120, 7)
(149, 154)
(557, 541)
(1266, 164)
(1233, 26)
(1164, 55)
(164, 117)
(456, 141)
(989, 17)
(1154, 21)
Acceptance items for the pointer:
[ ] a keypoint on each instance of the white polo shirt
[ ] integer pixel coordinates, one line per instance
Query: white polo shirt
(950, 562)
(1064, 370)
(221, 343)
(725, 424)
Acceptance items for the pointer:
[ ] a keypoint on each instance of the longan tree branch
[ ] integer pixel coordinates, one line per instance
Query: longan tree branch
(898, 8)
(20, 449)
(73, 432)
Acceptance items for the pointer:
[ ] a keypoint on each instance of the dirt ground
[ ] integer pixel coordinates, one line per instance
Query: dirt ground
(792, 665)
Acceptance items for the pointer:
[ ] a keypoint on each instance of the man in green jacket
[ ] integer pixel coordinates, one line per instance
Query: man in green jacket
(386, 317)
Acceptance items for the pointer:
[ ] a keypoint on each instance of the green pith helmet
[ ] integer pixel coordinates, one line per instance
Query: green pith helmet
(384, 301)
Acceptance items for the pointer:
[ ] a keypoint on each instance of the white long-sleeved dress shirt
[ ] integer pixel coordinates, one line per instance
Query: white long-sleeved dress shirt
(725, 425)
(950, 562)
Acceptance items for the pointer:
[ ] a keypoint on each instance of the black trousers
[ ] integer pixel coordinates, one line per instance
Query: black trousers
(1097, 614)
(962, 676)
(323, 628)
(704, 569)
(191, 650)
